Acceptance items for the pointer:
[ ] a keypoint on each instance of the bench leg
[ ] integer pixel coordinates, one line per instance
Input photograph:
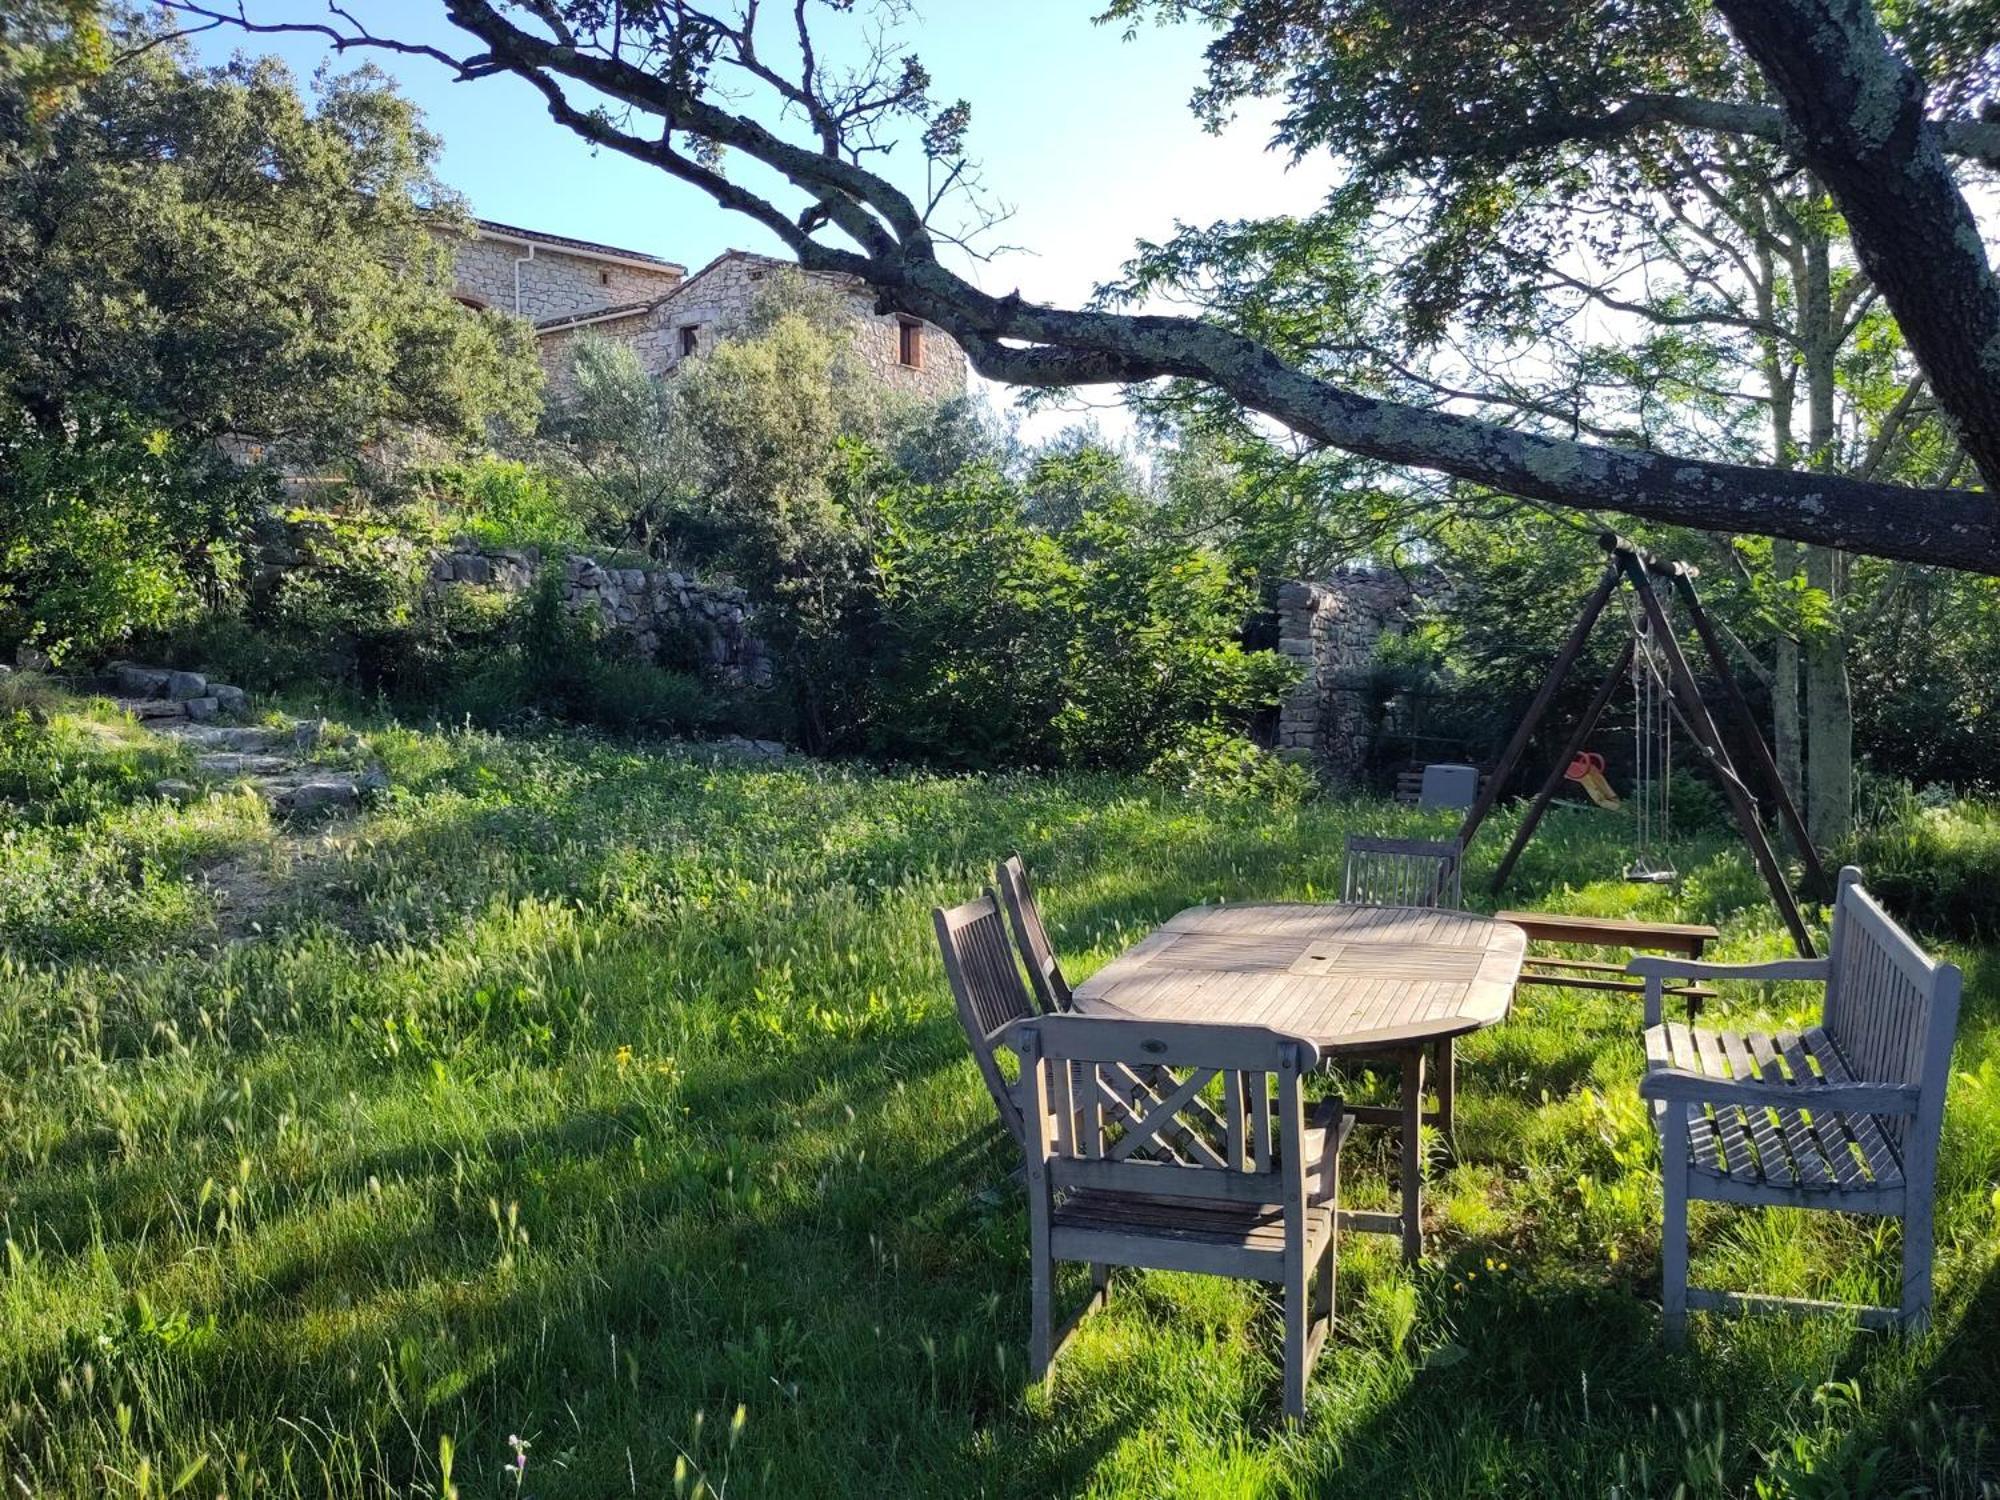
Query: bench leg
(1041, 1285)
(1916, 1298)
(1674, 1228)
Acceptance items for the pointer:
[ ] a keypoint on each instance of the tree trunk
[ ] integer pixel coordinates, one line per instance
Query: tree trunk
(1787, 743)
(1829, 715)
(1829, 706)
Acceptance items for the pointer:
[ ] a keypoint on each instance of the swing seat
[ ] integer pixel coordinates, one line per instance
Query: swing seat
(1643, 873)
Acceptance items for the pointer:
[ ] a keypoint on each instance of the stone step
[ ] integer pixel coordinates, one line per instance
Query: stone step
(262, 739)
(237, 763)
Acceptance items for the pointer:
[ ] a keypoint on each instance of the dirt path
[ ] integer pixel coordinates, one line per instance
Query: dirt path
(316, 809)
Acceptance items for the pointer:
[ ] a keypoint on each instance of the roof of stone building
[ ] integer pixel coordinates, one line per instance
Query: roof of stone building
(588, 247)
(600, 314)
(650, 304)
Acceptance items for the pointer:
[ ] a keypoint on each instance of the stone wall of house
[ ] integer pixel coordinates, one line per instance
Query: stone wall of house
(715, 302)
(661, 613)
(554, 283)
(1331, 629)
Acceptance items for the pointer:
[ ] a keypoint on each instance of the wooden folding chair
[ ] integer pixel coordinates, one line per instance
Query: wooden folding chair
(1410, 872)
(1044, 971)
(979, 963)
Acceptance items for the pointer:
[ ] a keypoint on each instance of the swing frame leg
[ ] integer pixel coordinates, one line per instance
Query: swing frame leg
(1709, 738)
(1585, 727)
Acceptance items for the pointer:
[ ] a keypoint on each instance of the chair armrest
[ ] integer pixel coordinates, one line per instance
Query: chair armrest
(1649, 966)
(1682, 1086)
(1329, 1115)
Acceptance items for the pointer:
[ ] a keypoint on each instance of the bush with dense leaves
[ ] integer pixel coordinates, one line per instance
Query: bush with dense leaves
(1936, 865)
(1094, 641)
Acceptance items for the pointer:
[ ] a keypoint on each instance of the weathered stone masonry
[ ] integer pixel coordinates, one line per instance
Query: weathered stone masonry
(552, 277)
(568, 287)
(1331, 630)
(715, 302)
(657, 611)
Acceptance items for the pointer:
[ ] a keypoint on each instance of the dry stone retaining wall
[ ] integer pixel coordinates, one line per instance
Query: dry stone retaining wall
(1331, 629)
(660, 612)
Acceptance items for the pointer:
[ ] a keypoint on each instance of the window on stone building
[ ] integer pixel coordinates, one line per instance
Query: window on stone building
(690, 338)
(910, 343)
(604, 278)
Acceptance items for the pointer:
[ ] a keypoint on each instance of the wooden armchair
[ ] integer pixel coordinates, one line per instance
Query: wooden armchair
(1844, 1115)
(1125, 1173)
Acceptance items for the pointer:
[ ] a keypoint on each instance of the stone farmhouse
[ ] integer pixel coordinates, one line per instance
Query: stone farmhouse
(567, 287)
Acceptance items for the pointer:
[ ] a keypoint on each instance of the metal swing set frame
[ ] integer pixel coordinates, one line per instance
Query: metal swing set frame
(1637, 571)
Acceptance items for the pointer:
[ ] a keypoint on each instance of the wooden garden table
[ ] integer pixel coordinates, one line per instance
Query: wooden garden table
(1357, 981)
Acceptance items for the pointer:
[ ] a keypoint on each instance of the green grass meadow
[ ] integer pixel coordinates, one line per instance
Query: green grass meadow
(593, 1121)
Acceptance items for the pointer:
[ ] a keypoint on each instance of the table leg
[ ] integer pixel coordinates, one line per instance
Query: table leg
(1413, 1155)
(1447, 1087)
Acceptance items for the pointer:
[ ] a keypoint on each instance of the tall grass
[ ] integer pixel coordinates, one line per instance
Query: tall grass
(594, 1122)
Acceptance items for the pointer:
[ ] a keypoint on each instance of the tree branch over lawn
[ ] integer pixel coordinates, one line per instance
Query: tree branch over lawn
(646, 82)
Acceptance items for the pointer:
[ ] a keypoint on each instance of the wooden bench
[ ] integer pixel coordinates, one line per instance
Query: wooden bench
(1843, 1115)
(1684, 939)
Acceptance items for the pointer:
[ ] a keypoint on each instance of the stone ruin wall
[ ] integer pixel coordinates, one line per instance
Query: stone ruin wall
(662, 614)
(1330, 629)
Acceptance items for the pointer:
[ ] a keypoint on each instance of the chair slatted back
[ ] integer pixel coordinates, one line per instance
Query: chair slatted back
(979, 962)
(1402, 872)
(1045, 973)
(1129, 1106)
(1890, 1007)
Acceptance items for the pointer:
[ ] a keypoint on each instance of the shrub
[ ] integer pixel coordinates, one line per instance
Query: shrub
(503, 503)
(1210, 762)
(1938, 868)
(110, 529)
(1093, 641)
(553, 663)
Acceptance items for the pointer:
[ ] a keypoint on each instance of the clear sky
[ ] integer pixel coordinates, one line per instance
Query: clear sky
(1086, 135)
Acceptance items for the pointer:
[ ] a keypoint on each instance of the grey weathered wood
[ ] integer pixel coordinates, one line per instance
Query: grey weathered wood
(1740, 1304)
(979, 965)
(1402, 872)
(1052, 990)
(1410, 872)
(1264, 1211)
(1708, 738)
(1689, 938)
(1845, 1115)
(1358, 981)
(1746, 725)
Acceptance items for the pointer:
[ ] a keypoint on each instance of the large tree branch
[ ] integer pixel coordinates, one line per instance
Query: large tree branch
(1010, 339)
(1856, 118)
(1975, 140)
